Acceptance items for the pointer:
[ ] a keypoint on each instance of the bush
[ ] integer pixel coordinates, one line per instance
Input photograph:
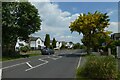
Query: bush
(24, 49)
(51, 47)
(113, 46)
(98, 68)
(76, 46)
(63, 46)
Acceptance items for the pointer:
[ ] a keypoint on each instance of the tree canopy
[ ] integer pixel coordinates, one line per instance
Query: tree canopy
(92, 26)
(47, 41)
(19, 19)
(54, 43)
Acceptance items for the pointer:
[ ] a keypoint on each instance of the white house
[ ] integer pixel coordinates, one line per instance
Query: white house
(20, 43)
(58, 45)
(69, 45)
(36, 43)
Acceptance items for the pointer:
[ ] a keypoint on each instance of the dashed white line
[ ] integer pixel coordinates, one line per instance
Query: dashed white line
(43, 60)
(55, 58)
(14, 65)
(37, 65)
(31, 67)
(79, 62)
(29, 64)
(54, 55)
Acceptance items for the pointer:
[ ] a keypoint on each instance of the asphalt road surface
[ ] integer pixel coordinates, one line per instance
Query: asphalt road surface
(62, 64)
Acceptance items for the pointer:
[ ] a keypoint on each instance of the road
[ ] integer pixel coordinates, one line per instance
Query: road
(62, 64)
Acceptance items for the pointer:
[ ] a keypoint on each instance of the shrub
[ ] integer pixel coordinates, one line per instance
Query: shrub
(51, 47)
(98, 68)
(24, 49)
(76, 46)
(63, 46)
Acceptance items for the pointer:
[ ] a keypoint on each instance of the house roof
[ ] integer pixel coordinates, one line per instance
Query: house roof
(35, 38)
(115, 35)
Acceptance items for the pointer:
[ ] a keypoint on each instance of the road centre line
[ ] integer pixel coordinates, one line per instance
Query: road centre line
(29, 64)
(14, 65)
(79, 63)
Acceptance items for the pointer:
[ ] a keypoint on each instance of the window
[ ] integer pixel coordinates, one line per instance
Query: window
(38, 42)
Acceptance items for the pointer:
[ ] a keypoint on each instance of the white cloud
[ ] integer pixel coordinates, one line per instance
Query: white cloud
(111, 12)
(54, 21)
(113, 27)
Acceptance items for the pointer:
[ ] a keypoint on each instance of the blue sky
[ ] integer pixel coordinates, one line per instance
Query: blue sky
(56, 17)
(85, 7)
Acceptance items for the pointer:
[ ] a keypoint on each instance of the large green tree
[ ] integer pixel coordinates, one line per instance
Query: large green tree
(90, 25)
(19, 19)
(54, 43)
(47, 41)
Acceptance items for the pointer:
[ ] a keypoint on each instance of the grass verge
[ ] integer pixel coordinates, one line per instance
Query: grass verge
(28, 54)
(98, 68)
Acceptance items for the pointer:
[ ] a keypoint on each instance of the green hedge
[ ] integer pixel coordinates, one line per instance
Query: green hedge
(24, 49)
(98, 68)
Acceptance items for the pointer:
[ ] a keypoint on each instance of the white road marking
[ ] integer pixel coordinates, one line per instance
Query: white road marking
(54, 55)
(55, 58)
(29, 64)
(71, 53)
(15, 59)
(0, 74)
(43, 60)
(79, 63)
(38, 65)
(14, 65)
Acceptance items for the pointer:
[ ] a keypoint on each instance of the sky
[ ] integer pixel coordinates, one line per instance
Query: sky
(56, 18)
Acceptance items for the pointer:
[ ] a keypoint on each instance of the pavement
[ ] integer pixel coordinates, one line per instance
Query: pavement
(62, 64)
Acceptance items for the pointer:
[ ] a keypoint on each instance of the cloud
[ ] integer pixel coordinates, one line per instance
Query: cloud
(112, 12)
(113, 27)
(54, 21)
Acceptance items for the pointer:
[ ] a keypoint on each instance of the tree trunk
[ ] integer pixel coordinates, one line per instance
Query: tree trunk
(9, 49)
(88, 50)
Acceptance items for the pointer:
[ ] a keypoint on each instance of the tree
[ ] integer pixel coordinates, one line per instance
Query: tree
(47, 41)
(54, 43)
(19, 19)
(71, 42)
(76, 46)
(90, 25)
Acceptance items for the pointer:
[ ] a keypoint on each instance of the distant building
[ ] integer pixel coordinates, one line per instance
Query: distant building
(58, 45)
(36, 43)
(33, 43)
(20, 43)
(115, 36)
(69, 45)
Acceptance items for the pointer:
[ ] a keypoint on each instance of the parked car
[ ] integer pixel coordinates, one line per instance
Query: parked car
(47, 51)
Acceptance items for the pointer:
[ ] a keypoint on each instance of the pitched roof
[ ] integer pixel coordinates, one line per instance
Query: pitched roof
(115, 35)
(35, 38)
